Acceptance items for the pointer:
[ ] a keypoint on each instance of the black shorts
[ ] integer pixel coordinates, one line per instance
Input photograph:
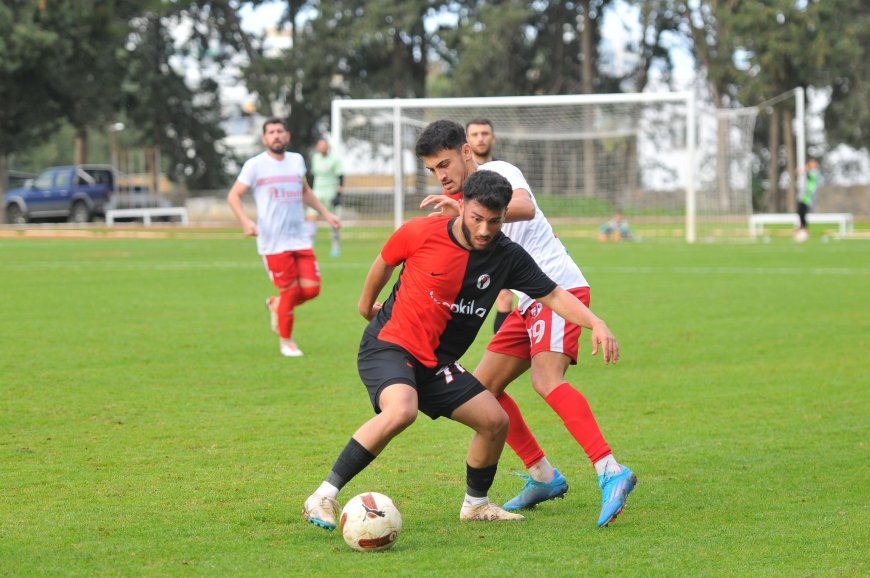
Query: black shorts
(440, 390)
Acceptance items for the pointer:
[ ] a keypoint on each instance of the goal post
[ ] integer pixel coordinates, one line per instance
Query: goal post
(673, 169)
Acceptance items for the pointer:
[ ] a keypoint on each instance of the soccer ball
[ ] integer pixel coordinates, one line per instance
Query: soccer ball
(370, 522)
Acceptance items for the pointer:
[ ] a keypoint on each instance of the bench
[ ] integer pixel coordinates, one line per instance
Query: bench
(757, 222)
(146, 214)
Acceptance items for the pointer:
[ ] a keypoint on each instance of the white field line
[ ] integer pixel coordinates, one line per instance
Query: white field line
(326, 264)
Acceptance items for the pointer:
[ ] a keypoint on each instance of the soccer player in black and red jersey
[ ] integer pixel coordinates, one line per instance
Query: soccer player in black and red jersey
(453, 268)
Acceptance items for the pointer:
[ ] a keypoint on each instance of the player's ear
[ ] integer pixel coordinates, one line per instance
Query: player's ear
(466, 152)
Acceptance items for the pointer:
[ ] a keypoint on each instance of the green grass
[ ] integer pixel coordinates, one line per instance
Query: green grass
(149, 427)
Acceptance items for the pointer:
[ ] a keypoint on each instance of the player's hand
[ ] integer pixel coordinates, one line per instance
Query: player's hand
(442, 205)
(602, 338)
(370, 314)
(333, 221)
(249, 228)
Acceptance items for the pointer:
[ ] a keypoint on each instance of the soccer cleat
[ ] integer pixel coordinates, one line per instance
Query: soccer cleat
(290, 349)
(335, 252)
(320, 511)
(488, 512)
(615, 488)
(272, 307)
(535, 492)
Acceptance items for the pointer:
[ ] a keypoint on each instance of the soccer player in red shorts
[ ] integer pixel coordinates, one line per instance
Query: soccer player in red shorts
(532, 337)
(281, 193)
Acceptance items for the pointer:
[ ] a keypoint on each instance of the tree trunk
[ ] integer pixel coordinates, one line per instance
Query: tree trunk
(773, 169)
(788, 137)
(4, 183)
(81, 146)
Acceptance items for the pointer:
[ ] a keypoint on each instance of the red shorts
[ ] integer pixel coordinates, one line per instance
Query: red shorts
(288, 267)
(539, 329)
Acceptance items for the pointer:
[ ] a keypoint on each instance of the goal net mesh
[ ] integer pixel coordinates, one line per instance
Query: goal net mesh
(583, 161)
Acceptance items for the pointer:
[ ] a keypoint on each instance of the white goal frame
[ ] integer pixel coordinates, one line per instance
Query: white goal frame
(397, 106)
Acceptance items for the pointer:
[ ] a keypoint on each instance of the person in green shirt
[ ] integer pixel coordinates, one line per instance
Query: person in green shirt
(328, 185)
(806, 198)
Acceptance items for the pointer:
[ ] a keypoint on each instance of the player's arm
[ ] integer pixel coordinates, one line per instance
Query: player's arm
(311, 200)
(234, 199)
(521, 207)
(572, 309)
(378, 276)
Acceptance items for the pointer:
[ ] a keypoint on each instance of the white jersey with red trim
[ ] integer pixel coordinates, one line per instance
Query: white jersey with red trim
(277, 189)
(537, 238)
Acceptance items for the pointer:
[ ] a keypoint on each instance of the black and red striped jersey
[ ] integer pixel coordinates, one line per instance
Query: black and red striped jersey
(445, 291)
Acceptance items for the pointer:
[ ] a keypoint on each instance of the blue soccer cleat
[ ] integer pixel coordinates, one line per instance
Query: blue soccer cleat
(615, 489)
(535, 492)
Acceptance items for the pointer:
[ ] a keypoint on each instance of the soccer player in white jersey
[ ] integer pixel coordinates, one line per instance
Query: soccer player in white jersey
(281, 193)
(533, 336)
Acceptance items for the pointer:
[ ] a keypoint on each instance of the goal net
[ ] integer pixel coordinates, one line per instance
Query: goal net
(673, 169)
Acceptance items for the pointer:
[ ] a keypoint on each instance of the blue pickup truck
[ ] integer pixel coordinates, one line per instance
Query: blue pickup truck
(75, 193)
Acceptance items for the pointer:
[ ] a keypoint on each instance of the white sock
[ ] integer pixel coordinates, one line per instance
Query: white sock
(472, 501)
(607, 465)
(328, 490)
(542, 471)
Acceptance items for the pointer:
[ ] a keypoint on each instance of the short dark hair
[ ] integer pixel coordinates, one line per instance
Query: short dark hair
(274, 120)
(440, 135)
(485, 121)
(488, 188)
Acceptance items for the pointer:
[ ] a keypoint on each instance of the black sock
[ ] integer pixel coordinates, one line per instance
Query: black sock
(478, 481)
(353, 459)
(500, 316)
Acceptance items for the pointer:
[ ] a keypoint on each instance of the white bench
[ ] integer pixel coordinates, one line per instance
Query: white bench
(146, 214)
(757, 222)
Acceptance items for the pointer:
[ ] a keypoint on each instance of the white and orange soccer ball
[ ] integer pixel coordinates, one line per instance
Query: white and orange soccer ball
(370, 522)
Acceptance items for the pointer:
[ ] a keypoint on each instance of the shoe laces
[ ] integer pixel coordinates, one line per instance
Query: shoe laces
(530, 481)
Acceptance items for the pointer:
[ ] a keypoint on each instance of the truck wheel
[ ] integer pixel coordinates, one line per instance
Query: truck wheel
(14, 215)
(79, 213)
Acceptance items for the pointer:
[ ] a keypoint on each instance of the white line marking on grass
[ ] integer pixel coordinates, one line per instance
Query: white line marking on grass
(733, 270)
(126, 265)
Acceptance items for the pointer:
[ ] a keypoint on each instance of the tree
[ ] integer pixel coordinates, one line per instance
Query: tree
(28, 59)
(89, 90)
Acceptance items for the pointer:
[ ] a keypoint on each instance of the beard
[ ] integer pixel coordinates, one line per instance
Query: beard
(466, 232)
(278, 149)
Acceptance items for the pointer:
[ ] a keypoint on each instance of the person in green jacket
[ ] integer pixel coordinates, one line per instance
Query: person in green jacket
(806, 198)
(328, 185)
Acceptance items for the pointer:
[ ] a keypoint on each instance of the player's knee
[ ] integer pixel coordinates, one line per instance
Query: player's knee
(400, 417)
(494, 424)
(307, 292)
(544, 386)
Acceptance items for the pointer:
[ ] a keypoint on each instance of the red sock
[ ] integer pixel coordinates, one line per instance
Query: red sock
(574, 410)
(520, 438)
(286, 303)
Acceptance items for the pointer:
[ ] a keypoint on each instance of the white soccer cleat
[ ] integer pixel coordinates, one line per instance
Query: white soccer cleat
(290, 349)
(320, 511)
(272, 306)
(488, 512)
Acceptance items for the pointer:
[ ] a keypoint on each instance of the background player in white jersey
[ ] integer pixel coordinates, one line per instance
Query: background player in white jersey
(281, 193)
(533, 336)
(481, 136)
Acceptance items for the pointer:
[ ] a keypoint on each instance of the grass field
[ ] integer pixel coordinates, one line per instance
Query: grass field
(149, 427)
